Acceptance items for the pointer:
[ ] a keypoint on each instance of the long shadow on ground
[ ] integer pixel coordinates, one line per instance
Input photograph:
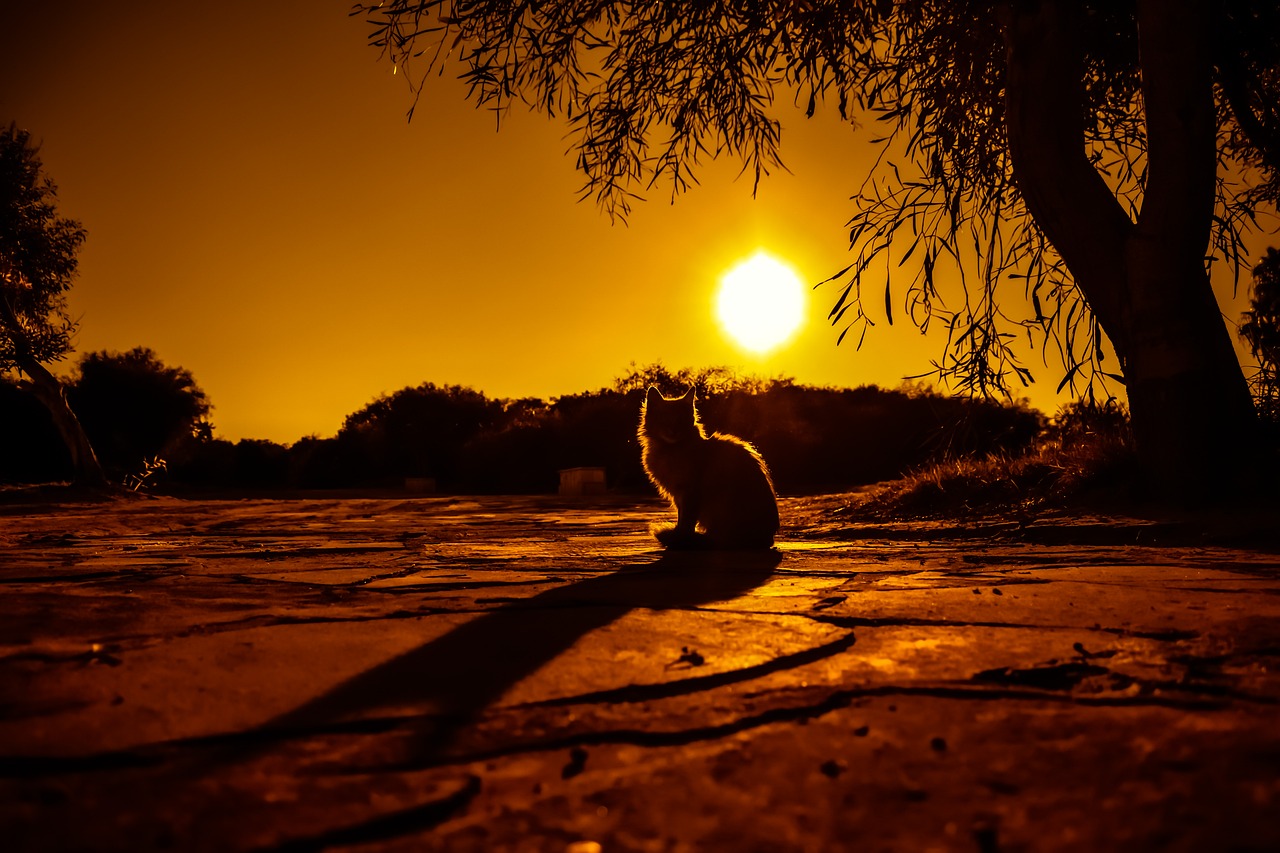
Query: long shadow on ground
(429, 694)
(454, 677)
(421, 700)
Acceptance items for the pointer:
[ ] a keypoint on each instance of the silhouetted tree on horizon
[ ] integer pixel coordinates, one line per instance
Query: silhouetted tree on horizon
(705, 380)
(37, 265)
(1074, 155)
(135, 407)
(417, 431)
(816, 439)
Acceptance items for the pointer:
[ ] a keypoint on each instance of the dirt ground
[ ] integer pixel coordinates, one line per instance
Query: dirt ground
(431, 673)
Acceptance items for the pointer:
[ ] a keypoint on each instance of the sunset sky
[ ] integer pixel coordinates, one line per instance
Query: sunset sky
(261, 213)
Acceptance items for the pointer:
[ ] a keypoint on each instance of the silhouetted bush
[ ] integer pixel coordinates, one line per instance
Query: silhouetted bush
(210, 463)
(821, 439)
(599, 430)
(1088, 422)
(215, 463)
(262, 464)
(1260, 327)
(516, 459)
(1086, 454)
(322, 463)
(134, 407)
(814, 439)
(415, 432)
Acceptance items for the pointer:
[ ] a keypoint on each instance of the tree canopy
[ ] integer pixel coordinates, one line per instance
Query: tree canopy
(1075, 165)
(38, 261)
(651, 89)
(38, 258)
(418, 431)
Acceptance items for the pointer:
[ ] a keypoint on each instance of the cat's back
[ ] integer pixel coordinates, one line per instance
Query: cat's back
(736, 463)
(742, 505)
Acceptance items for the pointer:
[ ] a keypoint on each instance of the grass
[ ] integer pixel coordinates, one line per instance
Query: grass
(1085, 457)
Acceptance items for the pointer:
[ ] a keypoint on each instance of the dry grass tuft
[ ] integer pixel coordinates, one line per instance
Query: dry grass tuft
(1085, 456)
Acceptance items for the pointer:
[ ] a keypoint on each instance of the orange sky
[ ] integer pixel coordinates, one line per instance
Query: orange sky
(260, 212)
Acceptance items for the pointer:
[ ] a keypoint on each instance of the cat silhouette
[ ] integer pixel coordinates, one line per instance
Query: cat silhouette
(719, 485)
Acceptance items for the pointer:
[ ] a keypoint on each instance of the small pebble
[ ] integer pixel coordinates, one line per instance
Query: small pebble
(577, 763)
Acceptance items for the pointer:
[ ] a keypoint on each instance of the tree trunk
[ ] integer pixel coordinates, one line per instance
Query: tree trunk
(1183, 367)
(1192, 415)
(48, 390)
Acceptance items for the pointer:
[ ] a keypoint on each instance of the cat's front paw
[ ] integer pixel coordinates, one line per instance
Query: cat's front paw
(676, 538)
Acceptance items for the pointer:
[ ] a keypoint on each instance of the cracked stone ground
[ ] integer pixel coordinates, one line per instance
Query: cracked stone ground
(529, 674)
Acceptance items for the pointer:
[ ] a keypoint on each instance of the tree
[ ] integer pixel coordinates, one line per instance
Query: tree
(1261, 328)
(134, 407)
(1077, 156)
(37, 265)
(417, 431)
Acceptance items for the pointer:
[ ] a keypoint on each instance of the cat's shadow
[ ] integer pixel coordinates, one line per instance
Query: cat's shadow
(446, 682)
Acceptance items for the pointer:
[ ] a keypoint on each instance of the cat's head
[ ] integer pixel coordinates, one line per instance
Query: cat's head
(669, 419)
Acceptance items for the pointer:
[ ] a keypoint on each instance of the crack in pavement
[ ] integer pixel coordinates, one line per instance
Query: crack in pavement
(982, 687)
(632, 693)
(384, 827)
(1170, 635)
(834, 700)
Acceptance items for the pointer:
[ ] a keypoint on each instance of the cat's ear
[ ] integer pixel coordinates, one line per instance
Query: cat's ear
(652, 394)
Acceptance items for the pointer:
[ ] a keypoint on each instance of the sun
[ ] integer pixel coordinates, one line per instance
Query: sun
(760, 303)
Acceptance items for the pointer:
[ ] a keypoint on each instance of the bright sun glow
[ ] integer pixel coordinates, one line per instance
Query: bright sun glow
(760, 303)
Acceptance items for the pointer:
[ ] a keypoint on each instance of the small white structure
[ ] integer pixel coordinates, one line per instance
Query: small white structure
(575, 482)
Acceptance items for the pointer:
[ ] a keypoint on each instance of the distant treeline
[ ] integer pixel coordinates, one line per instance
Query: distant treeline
(149, 422)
